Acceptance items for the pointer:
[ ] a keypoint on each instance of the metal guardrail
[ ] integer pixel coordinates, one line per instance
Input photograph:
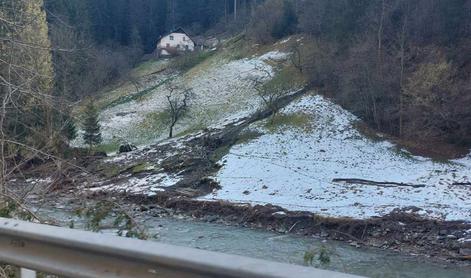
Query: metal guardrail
(74, 253)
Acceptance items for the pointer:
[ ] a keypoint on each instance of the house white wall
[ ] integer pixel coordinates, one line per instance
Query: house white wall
(179, 41)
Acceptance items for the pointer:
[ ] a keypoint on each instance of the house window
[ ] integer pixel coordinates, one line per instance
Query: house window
(171, 38)
(186, 47)
(168, 45)
(184, 39)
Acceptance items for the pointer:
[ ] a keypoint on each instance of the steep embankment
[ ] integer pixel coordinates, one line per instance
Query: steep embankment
(271, 169)
(312, 158)
(308, 170)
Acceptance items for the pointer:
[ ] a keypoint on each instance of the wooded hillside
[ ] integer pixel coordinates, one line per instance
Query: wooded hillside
(402, 66)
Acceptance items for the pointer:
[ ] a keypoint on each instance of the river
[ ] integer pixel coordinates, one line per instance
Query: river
(287, 248)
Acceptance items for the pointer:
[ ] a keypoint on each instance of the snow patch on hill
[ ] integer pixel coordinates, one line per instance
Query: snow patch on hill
(148, 185)
(294, 169)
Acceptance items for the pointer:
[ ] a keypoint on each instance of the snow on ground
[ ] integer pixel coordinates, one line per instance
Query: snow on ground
(274, 55)
(222, 90)
(147, 185)
(294, 169)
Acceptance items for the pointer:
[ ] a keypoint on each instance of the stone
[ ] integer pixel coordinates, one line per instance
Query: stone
(465, 251)
(324, 234)
(355, 244)
(212, 218)
(126, 148)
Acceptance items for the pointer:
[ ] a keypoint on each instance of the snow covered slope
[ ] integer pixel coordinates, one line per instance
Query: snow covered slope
(295, 167)
(222, 90)
(292, 164)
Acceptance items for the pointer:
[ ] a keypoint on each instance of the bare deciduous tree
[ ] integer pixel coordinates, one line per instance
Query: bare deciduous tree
(178, 101)
(271, 87)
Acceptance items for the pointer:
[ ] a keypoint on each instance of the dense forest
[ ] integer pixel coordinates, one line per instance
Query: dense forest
(402, 66)
(109, 37)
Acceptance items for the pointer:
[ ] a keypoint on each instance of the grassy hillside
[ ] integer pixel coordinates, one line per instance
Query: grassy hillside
(134, 109)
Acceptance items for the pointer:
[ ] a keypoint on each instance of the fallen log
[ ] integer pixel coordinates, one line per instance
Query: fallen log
(377, 183)
(461, 183)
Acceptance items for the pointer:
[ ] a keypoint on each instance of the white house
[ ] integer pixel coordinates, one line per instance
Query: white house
(175, 42)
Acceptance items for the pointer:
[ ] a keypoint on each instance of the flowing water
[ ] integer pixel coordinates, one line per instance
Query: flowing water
(284, 248)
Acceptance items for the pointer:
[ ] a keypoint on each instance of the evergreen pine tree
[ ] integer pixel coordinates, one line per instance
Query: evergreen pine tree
(91, 127)
(69, 131)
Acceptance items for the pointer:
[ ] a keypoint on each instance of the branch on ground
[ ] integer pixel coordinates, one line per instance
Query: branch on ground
(376, 183)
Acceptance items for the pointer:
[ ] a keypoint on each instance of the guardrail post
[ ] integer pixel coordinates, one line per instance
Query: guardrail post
(27, 273)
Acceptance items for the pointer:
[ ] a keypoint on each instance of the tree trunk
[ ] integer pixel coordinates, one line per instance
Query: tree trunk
(380, 37)
(172, 125)
(3, 115)
(377, 183)
(235, 10)
(2, 157)
(401, 81)
(170, 133)
(225, 11)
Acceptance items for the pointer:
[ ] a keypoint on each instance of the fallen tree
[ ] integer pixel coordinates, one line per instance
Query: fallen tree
(377, 183)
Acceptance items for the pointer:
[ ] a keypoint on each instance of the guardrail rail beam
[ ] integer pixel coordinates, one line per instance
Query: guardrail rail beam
(74, 253)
